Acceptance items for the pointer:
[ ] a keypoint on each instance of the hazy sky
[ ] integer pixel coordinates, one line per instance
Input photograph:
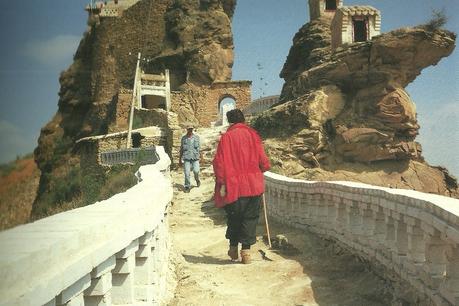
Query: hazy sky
(39, 39)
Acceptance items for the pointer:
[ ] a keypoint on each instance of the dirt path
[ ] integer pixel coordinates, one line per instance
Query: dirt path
(310, 271)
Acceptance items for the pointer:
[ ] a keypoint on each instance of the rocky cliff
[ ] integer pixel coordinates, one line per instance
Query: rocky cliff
(190, 38)
(345, 115)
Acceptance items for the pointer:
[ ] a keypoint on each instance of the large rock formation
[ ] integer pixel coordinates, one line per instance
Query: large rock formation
(190, 38)
(345, 114)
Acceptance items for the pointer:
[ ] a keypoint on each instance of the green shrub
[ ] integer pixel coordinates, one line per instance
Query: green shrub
(66, 188)
(91, 186)
(119, 179)
(102, 185)
(137, 123)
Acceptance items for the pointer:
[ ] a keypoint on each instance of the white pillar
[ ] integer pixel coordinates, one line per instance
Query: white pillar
(143, 269)
(435, 263)
(450, 287)
(123, 275)
(73, 295)
(99, 292)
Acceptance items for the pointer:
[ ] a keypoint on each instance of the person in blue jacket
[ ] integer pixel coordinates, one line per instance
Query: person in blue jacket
(189, 156)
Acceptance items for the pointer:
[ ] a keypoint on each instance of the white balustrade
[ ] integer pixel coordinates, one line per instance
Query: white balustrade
(412, 234)
(102, 254)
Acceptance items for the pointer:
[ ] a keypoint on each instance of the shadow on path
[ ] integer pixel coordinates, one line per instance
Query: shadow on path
(337, 277)
(208, 260)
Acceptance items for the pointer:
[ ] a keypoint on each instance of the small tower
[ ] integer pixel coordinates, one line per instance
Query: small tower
(318, 8)
(355, 24)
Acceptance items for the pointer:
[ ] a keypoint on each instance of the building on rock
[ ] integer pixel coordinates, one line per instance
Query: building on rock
(154, 91)
(113, 8)
(319, 8)
(353, 24)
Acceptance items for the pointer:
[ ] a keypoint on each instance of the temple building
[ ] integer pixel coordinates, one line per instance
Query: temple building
(353, 24)
(319, 8)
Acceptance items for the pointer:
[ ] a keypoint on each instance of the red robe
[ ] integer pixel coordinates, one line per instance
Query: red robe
(239, 164)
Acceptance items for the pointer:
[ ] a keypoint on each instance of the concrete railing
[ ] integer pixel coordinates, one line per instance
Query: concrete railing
(413, 234)
(131, 155)
(111, 252)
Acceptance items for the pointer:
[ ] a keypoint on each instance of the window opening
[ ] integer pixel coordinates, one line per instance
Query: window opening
(330, 5)
(153, 102)
(136, 140)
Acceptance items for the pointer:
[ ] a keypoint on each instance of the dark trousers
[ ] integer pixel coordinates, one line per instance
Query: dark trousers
(242, 220)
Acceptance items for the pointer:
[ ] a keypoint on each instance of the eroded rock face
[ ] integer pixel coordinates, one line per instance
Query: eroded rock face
(199, 42)
(192, 39)
(355, 113)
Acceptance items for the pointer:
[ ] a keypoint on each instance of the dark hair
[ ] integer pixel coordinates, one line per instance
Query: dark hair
(235, 116)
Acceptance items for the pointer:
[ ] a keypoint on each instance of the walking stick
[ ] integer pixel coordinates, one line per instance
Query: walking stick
(265, 210)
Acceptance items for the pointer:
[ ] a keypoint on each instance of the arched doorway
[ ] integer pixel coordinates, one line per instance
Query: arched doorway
(226, 104)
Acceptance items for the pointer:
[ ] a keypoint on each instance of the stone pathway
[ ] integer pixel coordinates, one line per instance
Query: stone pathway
(309, 271)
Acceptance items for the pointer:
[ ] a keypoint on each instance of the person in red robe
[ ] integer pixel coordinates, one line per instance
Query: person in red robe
(238, 165)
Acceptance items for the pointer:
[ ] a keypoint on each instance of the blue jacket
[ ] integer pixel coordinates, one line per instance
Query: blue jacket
(190, 147)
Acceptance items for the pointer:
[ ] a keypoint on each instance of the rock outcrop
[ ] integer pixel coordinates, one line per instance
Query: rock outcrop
(199, 42)
(190, 38)
(345, 114)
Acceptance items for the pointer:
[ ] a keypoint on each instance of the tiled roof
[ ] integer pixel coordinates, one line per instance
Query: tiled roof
(359, 10)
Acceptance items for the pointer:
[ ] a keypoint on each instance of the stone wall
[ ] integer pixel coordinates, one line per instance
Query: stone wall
(204, 101)
(413, 235)
(317, 9)
(114, 251)
(123, 103)
(151, 117)
(118, 40)
(90, 148)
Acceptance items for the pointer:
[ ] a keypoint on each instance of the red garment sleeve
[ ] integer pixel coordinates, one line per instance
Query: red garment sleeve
(219, 163)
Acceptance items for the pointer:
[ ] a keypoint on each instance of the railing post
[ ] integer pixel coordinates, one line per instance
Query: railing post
(389, 241)
(354, 225)
(123, 275)
(332, 213)
(367, 230)
(401, 243)
(73, 295)
(99, 293)
(164, 254)
(160, 255)
(416, 248)
(377, 239)
(341, 220)
(435, 264)
(450, 287)
(143, 269)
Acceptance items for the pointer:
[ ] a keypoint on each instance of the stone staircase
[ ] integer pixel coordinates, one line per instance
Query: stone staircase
(209, 141)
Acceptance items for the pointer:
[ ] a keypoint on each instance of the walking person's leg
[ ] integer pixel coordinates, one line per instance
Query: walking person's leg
(250, 208)
(187, 170)
(196, 172)
(233, 230)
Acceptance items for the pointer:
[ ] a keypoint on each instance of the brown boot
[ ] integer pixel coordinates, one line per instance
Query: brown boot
(245, 257)
(232, 252)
